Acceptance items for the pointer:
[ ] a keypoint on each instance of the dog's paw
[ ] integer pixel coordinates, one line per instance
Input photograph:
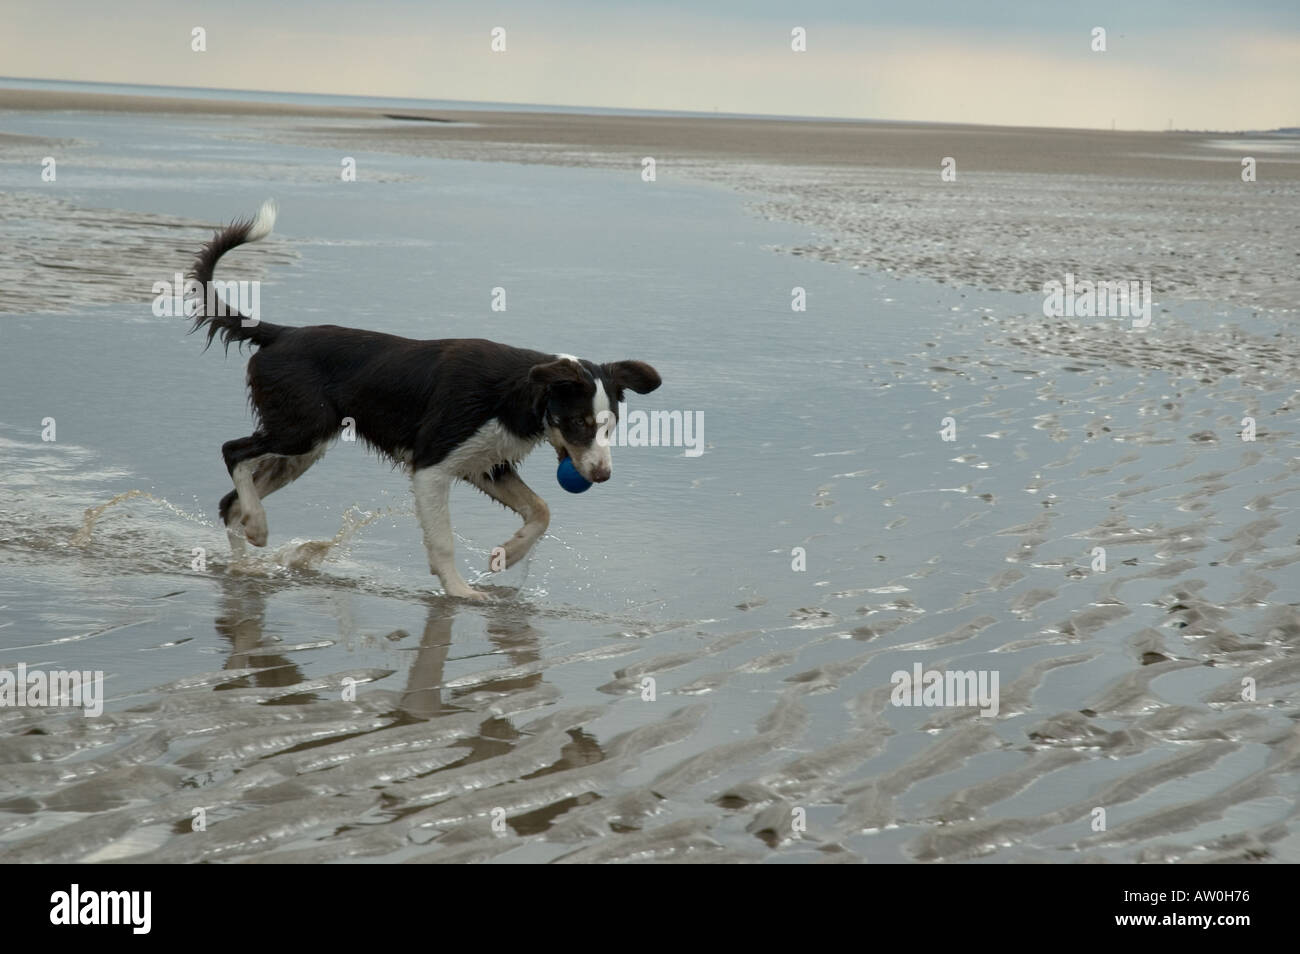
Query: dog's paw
(506, 555)
(461, 590)
(255, 529)
(516, 548)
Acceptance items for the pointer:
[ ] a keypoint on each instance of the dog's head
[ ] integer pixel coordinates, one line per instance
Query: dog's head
(580, 402)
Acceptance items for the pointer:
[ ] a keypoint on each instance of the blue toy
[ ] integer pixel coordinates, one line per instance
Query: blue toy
(569, 478)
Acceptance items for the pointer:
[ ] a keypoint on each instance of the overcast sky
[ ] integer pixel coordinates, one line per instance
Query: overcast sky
(1233, 64)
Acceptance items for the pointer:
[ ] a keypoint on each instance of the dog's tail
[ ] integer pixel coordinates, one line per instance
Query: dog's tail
(230, 323)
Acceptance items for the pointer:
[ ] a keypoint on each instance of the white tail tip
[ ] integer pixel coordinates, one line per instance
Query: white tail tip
(263, 222)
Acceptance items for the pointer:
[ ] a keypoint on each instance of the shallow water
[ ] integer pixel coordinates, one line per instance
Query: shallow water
(229, 686)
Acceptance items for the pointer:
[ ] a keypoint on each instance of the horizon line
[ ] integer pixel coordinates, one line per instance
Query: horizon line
(563, 108)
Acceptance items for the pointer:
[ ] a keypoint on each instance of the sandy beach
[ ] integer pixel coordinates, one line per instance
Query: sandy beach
(792, 142)
(1026, 204)
(1121, 680)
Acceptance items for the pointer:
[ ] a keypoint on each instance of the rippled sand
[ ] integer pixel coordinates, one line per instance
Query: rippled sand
(99, 256)
(1121, 689)
(1026, 206)
(318, 706)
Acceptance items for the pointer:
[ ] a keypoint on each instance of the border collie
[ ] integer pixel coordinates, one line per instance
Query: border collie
(447, 410)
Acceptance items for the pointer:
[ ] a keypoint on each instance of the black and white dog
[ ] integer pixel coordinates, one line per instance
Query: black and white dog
(456, 408)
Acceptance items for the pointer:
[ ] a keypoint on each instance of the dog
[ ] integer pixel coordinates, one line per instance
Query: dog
(445, 410)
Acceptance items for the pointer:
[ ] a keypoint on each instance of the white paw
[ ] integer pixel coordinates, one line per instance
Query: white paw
(512, 550)
(454, 585)
(517, 547)
(255, 529)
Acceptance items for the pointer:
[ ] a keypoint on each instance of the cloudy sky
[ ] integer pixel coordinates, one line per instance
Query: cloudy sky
(1232, 64)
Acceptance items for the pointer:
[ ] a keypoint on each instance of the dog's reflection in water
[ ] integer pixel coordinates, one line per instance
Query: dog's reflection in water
(425, 696)
(511, 633)
(241, 621)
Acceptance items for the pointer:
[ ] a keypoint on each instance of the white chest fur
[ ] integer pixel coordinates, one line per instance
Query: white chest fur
(487, 447)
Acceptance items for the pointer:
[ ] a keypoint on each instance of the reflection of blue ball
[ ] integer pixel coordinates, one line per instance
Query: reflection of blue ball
(570, 479)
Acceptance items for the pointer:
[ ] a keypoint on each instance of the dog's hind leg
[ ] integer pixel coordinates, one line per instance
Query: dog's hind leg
(259, 466)
(505, 486)
(231, 515)
(432, 486)
(242, 457)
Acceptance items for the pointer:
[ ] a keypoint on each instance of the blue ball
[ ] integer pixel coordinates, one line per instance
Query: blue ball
(570, 479)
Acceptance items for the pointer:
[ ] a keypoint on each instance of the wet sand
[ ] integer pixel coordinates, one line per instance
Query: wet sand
(1121, 688)
(1027, 205)
(1064, 151)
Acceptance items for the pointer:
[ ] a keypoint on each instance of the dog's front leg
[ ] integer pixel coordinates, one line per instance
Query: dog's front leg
(508, 488)
(432, 487)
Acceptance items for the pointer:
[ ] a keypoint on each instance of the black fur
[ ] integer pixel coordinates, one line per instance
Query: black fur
(230, 325)
(422, 398)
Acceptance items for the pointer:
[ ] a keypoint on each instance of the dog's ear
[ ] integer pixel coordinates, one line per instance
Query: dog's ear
(555, 373)
(634, 375)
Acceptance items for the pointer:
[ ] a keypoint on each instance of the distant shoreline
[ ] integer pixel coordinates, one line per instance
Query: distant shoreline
(408, 103)
(1023, 205)
(817, 142)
